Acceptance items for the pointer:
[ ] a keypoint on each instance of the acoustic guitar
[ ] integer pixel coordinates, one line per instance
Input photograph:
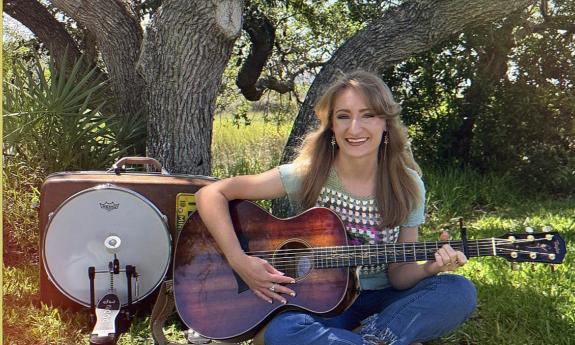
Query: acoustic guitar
(312, 248)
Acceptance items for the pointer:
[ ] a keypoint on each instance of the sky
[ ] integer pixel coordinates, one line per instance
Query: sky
(11, 26)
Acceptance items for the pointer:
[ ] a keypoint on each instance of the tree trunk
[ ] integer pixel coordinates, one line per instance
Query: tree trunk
(491, 68)
(186, 50)
(117, 30)
(413, 27)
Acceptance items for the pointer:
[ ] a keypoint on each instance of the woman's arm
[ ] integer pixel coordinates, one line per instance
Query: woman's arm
(407, 274)
(212, 202)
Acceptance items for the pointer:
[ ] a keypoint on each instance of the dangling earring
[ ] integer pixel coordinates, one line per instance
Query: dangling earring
(385, 142)
(332, 147)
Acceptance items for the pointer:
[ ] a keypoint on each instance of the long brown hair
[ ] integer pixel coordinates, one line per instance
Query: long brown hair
(396, 190)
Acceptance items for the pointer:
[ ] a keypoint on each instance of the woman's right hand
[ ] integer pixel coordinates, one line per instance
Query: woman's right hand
(263, 279)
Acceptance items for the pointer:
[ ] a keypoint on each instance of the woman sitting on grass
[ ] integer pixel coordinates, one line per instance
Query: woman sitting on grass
(359, 165)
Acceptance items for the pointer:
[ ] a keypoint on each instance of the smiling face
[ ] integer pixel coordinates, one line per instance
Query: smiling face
(358, 129)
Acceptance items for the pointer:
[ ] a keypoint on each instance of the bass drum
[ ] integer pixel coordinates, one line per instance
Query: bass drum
(97, 224)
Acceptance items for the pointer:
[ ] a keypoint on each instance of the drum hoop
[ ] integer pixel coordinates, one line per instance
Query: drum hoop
(99, 187)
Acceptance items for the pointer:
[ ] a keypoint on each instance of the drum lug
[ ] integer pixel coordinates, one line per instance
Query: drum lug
(50, 215)
(165, 218)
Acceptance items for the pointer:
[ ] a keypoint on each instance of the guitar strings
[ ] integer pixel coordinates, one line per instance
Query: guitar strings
(395, 253)
(350, 253)
(334, 260)
(472, 244)
(362, 260)
(485, 242)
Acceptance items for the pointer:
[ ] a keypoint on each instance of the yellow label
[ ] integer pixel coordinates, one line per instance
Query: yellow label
(185, 205)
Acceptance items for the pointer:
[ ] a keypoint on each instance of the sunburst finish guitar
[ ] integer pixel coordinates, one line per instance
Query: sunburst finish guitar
(312, 248)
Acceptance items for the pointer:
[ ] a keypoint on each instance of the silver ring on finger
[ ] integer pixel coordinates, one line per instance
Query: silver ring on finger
(273, 287)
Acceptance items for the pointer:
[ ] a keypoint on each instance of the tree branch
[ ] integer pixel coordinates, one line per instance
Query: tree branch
(272, 83)
(42, 23)
(555, 23)
(544, 9)
(262, 35)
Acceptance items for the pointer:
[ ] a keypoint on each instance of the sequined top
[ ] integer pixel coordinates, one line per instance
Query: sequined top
(359, 215)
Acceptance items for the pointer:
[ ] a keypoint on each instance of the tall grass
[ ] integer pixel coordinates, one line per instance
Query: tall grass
(21, 196)
(454, 193)
(240, 150)
(529, 306)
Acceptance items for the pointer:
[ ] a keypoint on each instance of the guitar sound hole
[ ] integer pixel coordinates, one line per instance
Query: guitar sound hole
(295, 259)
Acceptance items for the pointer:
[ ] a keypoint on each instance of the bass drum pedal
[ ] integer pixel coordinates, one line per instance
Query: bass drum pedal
(106, 312)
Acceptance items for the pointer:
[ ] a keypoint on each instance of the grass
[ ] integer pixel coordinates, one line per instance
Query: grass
(246, 149)
(531, 305)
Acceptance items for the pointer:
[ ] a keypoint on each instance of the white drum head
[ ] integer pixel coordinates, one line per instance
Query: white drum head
(89, 227)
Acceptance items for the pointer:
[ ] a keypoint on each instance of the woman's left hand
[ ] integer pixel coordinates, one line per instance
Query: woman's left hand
(446, 259)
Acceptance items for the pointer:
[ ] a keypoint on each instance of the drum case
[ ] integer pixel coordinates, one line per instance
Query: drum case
(161, 190)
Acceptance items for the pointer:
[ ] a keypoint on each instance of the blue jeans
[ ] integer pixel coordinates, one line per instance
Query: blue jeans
(430, 309)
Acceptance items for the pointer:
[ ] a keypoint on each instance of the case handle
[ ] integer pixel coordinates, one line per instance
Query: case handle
(138, 161)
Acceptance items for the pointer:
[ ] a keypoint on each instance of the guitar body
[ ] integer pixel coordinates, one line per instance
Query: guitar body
(213, 301)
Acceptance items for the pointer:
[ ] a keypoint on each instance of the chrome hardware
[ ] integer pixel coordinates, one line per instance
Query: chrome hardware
(552, 256)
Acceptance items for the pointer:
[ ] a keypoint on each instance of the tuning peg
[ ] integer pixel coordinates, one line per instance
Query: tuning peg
(547, 228)
(528, 229)
(515, 266)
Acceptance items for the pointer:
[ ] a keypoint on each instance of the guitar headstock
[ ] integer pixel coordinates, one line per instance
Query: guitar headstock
(543, 247)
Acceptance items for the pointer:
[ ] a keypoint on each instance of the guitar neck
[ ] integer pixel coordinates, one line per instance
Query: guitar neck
(346, 256)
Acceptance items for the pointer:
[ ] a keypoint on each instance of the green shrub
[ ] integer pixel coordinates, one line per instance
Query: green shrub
(54, 119)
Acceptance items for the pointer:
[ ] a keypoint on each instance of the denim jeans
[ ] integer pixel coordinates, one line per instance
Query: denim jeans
(430, 309)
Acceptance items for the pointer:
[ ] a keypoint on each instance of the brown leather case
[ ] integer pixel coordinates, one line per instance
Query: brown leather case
(160, 189)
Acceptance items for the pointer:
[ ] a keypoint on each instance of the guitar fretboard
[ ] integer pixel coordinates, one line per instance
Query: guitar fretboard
(345, 256)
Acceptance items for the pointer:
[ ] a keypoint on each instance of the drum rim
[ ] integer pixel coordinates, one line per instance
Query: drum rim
(122, 189)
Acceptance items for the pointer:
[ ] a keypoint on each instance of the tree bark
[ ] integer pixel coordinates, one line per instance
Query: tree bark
(117, 30)
(186, 50)
(42, 23)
